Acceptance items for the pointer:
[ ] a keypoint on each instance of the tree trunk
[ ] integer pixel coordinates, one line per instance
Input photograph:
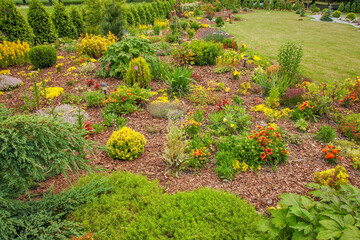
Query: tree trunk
(24, 1)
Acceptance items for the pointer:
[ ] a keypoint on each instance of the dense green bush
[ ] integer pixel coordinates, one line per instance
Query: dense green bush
(130, 18)
(41, 23)
(62, 22)
(43, 56)
(137, 209)
(34, 147)
(289, 57)
(336, 14)
(138, 72)
(205, 52)
(325, 134)
(178, 80)
(351, 16)
(94, 10)
(116, 59)
(142, 14)
(149, 14)
(13, 25)
(77, 20)
(136, 16)
(333, 215)
(219, 21)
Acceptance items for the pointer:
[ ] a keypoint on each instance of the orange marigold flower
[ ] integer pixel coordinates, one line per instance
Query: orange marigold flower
(330, 147)
(327, 156)
(331, 155)
(335, 151)
(324, 150)
(339, 157)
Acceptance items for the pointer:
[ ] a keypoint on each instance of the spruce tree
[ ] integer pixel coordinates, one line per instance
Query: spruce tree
(142, 14)
(129, 17)
(277, 5)
(63, 25)
(41, 23)
(271, 5)
(13, 25)
(296, 5)
(94, 11)
(341, 7)
(353, 7)
(147, 14)
(251, 4)
(283, 6)
(160, 9)
(150, 10)
(358, 8)
(244, 4)
(347, 7)
(114, 19)
(135, 15)
(289, 6)
(155, 12)
(257, 4)
(77, 20)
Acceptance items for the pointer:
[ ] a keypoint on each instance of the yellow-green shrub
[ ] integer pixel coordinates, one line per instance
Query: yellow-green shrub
(138, 72)
(13, 53)
(94, 45)
(333, 177)
(126, 144)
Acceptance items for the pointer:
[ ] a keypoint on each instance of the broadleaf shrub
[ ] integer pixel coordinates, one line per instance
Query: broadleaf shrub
(41, 23)
(34, 147)
(333, 177)
(126, 144)
(94, 45)
(138, 72)
(43, 56)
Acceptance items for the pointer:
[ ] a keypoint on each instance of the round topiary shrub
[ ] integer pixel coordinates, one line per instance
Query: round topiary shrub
(43, 56)
(138, 72)
(351, 16)
(126, 144)
(336, 14)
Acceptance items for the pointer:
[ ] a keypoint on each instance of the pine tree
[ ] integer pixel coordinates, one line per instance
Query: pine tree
(142, 15)
(13, 25)
(150, 10)
(283, 6)
(77, 20)
(358, 8)
(62, 22)
(114, 19)
(147, 14)
(271, 5)
(289, 6)
(251, 4)
(296, 5)
(341, 7)
(41, 23)
(347, 7)
(129, 18)
(277, 5)
(155, 12)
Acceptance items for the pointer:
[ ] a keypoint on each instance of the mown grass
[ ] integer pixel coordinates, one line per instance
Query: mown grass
(331, 50)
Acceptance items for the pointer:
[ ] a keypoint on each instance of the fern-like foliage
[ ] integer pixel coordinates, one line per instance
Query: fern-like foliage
(34, 147)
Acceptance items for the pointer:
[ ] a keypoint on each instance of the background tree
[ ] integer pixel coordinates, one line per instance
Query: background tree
(13, 25)
(77, 20)
(114, 18)
(41, 23)
(63, 25)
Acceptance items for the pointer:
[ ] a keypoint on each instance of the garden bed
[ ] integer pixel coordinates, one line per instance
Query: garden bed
(261, 188)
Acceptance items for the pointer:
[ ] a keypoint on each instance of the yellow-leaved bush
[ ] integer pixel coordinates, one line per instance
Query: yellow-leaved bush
(126, 144)
(13, 53)
(138, 72)
(333, 177)
(94, 45)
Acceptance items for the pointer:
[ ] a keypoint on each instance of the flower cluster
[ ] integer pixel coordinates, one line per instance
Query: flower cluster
(269, 142)
(161, 23)
(270, 113)
(94, 46)
(13, 53)
(88, 128)
(191, 126)
(126, 144)
(203, 25)
(352, 91)
(84, 59)
(331, 154)
(87, 236)
(221, 105)
(305, 105)
(236, 75)
(164, 99)
(58, 68)
(243, 166)
(52, 92)
(198, 157)
(333, 177)
(119, 95)
(5, 72)
(91, 83)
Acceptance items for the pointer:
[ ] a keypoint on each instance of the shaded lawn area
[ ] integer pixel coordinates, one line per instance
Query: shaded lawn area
(331, 51)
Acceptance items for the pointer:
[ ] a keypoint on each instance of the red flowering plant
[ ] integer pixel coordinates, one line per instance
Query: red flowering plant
(88, 128)
(221, 105)
(90, 82)
(305, 110)
(331, 154)
(97, 86)
(198, 157)
(350, 126)
(271, 149)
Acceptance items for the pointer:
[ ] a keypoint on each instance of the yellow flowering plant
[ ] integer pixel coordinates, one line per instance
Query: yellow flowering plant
(94, 45)
(126, 144)
(270, 113)
(52, 92)
(333, 177)
(236, 75)
(5, 72)
(198, 157)
(13, 53)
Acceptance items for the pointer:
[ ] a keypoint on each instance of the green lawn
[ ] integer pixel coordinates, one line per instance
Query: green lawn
(331, 51)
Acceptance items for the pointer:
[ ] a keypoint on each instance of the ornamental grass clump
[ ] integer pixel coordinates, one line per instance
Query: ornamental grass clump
(8, 82)
(333, 177)
(126, 144)
(138, 72)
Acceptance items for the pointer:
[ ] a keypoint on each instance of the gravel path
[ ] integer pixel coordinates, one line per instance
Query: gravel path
(335, 20)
